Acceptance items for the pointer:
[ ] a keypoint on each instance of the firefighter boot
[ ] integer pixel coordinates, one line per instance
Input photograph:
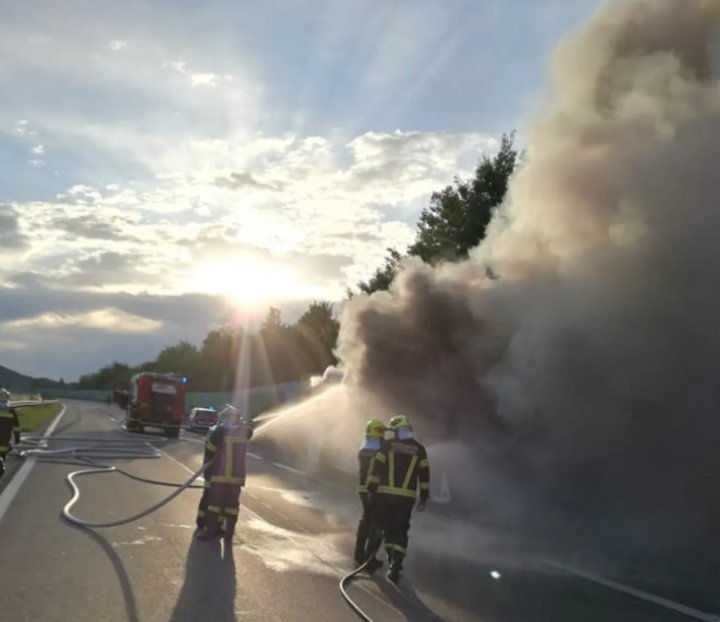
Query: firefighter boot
(359, 552)
(212, 527)
(396, 567)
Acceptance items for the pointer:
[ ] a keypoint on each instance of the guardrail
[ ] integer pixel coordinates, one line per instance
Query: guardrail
(21, 403)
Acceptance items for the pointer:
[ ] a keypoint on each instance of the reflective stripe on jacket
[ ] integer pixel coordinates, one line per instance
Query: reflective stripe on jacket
(227, 445)
(365, 456)
(400, 468)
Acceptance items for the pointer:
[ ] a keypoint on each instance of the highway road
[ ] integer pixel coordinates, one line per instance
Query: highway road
(292, 545)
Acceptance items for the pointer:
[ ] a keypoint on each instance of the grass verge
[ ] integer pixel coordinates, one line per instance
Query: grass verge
(33, 417)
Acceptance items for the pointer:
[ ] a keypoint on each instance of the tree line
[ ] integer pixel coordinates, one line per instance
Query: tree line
(275, 353)
(454, 222)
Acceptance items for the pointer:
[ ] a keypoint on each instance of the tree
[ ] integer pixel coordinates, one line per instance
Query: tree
(458, 216)
(382, 278)
(107, 378)
(317, 332)
(183, 358)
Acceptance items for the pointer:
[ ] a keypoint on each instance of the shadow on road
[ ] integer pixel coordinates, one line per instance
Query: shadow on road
(405, 599)
(208, 592)
(71, 417)
(118, 567)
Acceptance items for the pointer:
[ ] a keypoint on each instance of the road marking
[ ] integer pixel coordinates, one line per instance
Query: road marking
(652, 598)
(185, 437)
(287, 468)
(256, 456)
(7, 496)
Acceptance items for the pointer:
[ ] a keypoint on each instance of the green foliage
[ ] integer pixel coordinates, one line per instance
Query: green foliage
(457, 218)
(234, 356)
(107, 378)
(382, 278)
(32, 417)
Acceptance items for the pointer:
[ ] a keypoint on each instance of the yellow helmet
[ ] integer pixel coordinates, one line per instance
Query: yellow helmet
(399, 421)
(375, 427)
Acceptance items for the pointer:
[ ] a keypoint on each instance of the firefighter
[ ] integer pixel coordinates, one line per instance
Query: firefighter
(9, 427)
(365, 538)
(225, 450)
(398, 469)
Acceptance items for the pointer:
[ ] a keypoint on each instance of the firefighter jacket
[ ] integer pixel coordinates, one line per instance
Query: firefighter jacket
(9, 428)
(367, 452)
(226, 446)
(399, 468)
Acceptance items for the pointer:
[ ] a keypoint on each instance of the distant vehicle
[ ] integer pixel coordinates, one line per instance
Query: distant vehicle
(121, 397)
(156, 400)
(202, 419)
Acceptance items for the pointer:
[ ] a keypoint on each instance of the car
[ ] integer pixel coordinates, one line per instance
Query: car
(202, 419)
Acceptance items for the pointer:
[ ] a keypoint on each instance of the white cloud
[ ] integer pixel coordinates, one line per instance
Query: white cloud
(38, 150)
(202, 79)
(198, 78)
(116, 45)
(37, 163)
(111, 320)
(22, 128)
(12, 345)
(276, 199)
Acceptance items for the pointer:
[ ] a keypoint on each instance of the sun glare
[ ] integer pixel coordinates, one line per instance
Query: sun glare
(248, 283)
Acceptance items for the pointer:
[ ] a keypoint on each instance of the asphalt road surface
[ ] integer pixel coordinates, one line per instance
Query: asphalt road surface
(292, 545)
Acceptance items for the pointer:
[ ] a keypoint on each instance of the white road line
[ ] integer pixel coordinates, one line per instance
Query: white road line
(287, 468)
(193, 440)
(256, 456)
(652, 598)
(175, 460)
(7, 496)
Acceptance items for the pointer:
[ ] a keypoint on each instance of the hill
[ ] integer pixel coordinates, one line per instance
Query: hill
(14, 381)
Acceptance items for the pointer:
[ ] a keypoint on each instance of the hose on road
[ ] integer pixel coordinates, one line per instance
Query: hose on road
(86, 451)
(346, 580)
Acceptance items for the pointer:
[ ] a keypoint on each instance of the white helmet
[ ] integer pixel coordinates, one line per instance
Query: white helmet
(4, 399)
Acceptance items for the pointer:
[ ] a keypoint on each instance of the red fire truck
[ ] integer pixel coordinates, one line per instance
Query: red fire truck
(156, 400)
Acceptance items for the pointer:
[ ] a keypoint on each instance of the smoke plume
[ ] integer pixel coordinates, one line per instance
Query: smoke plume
(588, 372)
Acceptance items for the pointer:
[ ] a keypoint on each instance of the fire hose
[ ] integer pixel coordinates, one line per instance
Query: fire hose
(86, 451)
(345, 582)
(87, 455)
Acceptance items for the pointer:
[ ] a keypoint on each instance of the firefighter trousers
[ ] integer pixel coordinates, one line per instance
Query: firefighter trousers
(394, 513)
(367, 537)
(202, 506)
(223, 506)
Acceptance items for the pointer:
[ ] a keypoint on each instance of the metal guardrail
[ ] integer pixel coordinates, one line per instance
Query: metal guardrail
(21, 403)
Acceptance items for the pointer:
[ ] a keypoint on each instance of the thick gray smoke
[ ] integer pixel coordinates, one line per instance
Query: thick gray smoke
(588, 373)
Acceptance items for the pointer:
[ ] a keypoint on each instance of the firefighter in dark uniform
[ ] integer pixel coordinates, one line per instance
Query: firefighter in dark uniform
(225, 451)
(397, 471)
(365, 538)
(9, 427)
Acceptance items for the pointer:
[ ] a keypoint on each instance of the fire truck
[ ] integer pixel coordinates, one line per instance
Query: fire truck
(156, 400)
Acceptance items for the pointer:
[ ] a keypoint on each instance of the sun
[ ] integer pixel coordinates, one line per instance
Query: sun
(248, 283)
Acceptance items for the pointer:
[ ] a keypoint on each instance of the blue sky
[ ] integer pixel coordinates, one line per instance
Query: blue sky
(227, 155)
